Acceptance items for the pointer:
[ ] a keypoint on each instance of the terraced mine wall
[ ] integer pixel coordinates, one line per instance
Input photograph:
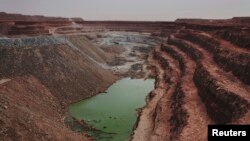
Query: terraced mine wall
(208, 84)
(131, 26)
(225, 58)
(62, 27)
(30, 27)
(240, 37)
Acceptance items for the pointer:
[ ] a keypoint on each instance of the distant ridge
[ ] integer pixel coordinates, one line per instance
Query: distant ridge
(197, 20)
(19, 17)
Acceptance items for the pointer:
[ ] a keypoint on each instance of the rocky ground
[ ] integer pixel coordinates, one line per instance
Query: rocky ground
(201, 80)
(201, 69)
(134, 48)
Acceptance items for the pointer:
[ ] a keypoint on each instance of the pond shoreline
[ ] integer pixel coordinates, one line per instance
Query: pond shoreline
(126, 95)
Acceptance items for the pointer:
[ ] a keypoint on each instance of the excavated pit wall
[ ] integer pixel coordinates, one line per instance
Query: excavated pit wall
(226, 59)
(239, 37)
(214, 97)
(222, 106)
(178, 118)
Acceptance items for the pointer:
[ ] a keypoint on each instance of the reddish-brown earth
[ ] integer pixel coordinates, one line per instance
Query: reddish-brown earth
(206, 82)
(17, 24)
(40, 76)
(29, 111)
(201, 67)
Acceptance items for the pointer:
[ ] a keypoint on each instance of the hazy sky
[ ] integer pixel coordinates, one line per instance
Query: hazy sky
(130, 9)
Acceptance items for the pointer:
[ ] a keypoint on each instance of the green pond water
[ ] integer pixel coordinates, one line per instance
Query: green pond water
(114, 113)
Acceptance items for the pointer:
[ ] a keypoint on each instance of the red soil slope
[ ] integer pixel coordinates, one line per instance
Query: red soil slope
(29, 112)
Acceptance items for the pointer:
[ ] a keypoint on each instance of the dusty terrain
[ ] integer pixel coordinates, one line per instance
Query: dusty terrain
(61, 67)
(203, 78)
(201, 69)
(29, 111)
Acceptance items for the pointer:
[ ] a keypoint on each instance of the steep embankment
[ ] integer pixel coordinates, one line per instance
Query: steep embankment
(29, 111)
(203, 81)
(39, 77)
(67, 67)
(228, 56)
(217, 88)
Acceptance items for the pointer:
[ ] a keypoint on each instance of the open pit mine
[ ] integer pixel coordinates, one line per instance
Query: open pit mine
(66, 79)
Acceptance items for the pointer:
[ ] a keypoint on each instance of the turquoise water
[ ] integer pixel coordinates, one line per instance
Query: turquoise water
(114, 112)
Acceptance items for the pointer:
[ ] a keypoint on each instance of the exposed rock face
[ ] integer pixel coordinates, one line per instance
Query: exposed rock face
(201, 79)
(240, 37)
